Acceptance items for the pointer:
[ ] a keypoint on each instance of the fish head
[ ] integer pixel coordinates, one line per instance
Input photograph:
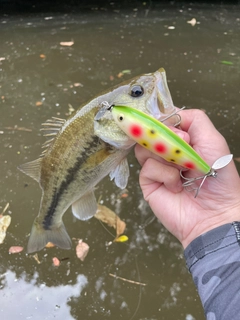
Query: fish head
(148, 93)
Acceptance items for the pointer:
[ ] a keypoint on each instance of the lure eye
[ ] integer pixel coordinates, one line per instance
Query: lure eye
(136, 91)
(120, 117)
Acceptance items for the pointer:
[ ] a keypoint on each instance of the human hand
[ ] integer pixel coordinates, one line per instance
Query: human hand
(218, 201)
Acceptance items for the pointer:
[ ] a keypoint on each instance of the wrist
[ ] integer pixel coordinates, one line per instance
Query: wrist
(211, 223)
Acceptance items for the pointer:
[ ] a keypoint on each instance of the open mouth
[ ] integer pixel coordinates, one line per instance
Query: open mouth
(164, 99)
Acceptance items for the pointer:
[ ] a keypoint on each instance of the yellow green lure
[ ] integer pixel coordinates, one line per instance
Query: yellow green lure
(158, 138)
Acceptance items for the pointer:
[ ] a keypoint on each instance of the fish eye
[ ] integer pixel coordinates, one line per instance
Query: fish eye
(136, 91)
(120, 117)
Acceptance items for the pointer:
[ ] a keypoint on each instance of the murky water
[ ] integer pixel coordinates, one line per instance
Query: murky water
(40, 79)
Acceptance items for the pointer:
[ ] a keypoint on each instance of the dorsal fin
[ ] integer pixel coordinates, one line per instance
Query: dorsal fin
(51, 128)
(32, 169)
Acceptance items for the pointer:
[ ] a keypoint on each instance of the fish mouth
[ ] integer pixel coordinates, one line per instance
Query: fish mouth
(164, 99)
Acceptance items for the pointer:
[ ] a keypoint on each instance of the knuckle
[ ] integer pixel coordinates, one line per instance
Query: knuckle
(200, 114)
(173, 174)
(148, 164)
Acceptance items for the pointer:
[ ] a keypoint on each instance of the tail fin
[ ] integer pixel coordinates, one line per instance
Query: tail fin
(39, 237)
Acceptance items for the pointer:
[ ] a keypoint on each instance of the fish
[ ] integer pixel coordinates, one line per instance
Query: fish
(158, 138)
(81, 151)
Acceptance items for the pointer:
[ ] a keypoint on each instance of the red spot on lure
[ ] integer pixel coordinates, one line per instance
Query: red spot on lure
(189, 165)
(136, 130)
(160, 148)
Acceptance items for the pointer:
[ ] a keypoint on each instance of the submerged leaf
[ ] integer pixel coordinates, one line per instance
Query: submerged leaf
(127, 71)
(56, 262)
(237, 159)
(192, 22)
(227, 62)
(49, 245)
(35, 257)
(15, 249)
(122, 238)
(110, 218)
(121, 73)
(124, 195)
(66, 43)
(4, 224)
(82, 250)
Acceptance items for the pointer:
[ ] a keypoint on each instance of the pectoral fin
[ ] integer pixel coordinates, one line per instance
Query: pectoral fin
(32, 169)
(85, 207)
(120, 174)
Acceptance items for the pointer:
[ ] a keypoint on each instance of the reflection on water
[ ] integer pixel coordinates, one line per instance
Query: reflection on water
(39, 79)
(29, 300)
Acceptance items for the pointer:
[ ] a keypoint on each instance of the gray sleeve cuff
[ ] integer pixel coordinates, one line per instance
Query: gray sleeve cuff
(211, 242)
(214, 262)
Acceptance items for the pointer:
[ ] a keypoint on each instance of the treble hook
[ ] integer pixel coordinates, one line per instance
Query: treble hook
(218, 164)
(105, 106)
(175, 113)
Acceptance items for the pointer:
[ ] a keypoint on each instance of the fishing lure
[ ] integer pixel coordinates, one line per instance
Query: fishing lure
(159, 139)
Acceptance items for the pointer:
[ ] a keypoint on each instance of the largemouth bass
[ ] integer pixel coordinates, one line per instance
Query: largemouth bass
(77, 156)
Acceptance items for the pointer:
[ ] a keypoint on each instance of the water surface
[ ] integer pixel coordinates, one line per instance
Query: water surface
(39, 79)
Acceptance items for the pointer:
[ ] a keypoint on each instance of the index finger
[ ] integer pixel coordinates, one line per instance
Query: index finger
(194, 121)
(204, 136)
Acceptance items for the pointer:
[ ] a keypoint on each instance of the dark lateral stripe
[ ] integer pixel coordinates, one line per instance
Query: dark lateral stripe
(71, 175)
